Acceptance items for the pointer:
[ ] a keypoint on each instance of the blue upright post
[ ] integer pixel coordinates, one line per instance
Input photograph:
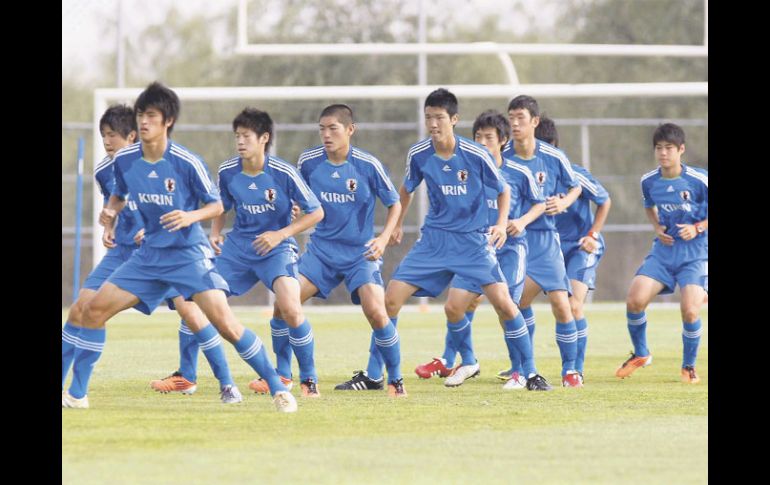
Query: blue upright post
(78, 218)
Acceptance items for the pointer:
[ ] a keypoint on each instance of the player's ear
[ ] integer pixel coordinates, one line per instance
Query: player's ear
(351, 129)
(454, 119)
(681, 149)
(131, 136)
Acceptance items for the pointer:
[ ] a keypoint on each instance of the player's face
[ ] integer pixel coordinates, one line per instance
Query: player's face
(439, 124)
(151, 124)
(667, 154)
(114, 141)
(334, 135)
(522, 124)
(489, 138)
(249, 144)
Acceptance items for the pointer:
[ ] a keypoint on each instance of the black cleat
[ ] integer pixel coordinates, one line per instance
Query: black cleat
(360, 382)
(538, 383)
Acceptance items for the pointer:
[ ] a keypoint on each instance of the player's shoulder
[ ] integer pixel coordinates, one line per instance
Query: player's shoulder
(517, 169)
(549, 152)
(698, 174)
(280, 167)
(651, 176)
(420, 150)
(472, 148)
(229, 167)
(183, 153)
(309, 155)
(362, 155)
(126, 154)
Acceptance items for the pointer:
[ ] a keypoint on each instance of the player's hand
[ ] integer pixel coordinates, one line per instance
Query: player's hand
(176, 220)
(515, 226)
(396, 236)
(265, 242)
(664, 238)
(108, 238)
(497, 236)
(589, 244)
(554, 205)
(687, 231)
(295, 211)
(139, 237)
(216, 241)
(107, 217)
(376, 248)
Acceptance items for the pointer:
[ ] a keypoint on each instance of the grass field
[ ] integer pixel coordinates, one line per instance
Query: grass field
(649, 428)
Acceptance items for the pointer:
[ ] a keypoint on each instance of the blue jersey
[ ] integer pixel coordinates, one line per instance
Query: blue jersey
(129, 221)
(347, 192)
(578, 220)
(180, 180)
(551, 167)
(263, 202)
(458, 201)
(680, 200)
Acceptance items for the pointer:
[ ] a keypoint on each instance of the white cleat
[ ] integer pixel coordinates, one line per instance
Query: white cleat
(285, 402)
(67, 401)
(461, 374)
(516, 382)
(230, 394)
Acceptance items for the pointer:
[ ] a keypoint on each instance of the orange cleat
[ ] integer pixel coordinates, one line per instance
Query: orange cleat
(689, 376)
(174, 383)
(260, 385)
(631, 364)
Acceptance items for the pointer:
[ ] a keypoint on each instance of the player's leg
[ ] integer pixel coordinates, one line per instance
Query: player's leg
(641, 292)
(692, 300)
(528, 295)
(459, 328)
(566, 336)
(71, 331)
(576, 300)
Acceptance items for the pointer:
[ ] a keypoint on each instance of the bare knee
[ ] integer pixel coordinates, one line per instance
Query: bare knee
(392, 306)
(635, 304)
(690, 313)
(94, 314)
(454, 312)
(75, 315)
(576, 307)
(506, 310)
(292, 315)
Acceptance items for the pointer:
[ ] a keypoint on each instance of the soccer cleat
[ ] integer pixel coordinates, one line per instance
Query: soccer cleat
(538, 383)
(68, 401)
(361, 382)
(396, 388)
(689, 375)
(461, 374)
(631, 364)
(174, 383)
(309, 388)
(260, 385)
(572, 379)
(517, 381)
(505, 375)
(230, 394)
(436, 367)
(285, 402)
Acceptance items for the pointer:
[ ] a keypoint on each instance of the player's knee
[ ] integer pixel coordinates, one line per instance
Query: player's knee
(292, 315)
(453, 311)
(635, 304)
(690, 313)
(577, 308)
(75, 314)
(376, 316)
(392, 306)
(94, 314)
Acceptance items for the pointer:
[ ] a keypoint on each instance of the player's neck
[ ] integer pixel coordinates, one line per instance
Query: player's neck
(254, 165)
(445, 147)
(671, 172)
(153, 150)
(499, 159)
(340, 155)
(525, 148)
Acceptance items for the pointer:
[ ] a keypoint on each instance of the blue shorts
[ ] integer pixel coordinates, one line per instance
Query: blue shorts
(513, 263)
(150, 273)
(684, 263)
(109, 263)
(326, 264)
(439, 255)
(244, 269)
(545, 262)
(581, 266)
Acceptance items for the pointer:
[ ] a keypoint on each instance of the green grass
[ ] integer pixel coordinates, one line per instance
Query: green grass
(649, 428)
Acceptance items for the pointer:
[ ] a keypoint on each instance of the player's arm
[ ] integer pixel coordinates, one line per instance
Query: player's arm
(589, 242)
(691, 231)
(556, 205)
(265, 242)
(404, 198)
(660, 231)
(216, 238)
(497, 232)
(377, 245)
(517, 226)
(179, 219)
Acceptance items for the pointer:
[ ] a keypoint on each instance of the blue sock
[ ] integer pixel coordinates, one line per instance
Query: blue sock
(461, 336)
(519, 346)
(529, 319)
(388, 343)
(691, 339)
(279, 331)
(450, 351)
(376, 364)
(188, 353)
(582, 331)
(88, 350)
(637, 327)
(69, 338)
(301, 340)
(251, 350)
(566, 338)
(470, 315)
(211, 344)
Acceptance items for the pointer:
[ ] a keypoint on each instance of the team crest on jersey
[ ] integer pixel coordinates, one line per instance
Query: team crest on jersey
(462, 175)
(351, 184)
(685, 195)
(270, 195)
(540, 177)
(170, 185)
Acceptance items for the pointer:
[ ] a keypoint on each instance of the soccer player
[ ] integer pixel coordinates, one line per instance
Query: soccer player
(676, 202)
(456, 237)
(118, 128)
(167, 182)
(545, 263)
(492, 130)
(582, 243)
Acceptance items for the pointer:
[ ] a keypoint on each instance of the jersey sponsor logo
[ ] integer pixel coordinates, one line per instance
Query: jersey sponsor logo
(454, 189)
(540, 177)
(337, 198)
(258, 208)
(492, 203)
(675, 207)
(335, 175)
(670, 189)
(153, 175)
(270, 195)
(351, 184)
(170, 185)
(447, 168)
(158, 199)
(685, 195)
(462, 175)
(253, 186)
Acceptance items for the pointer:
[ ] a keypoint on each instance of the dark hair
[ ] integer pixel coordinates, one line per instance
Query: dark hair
(525, 102)
(161, 98)
(119, 118)
(441, 98)
(342, 112)
(493, 119)
(257, 121)
(668, 132)
(546, 131)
